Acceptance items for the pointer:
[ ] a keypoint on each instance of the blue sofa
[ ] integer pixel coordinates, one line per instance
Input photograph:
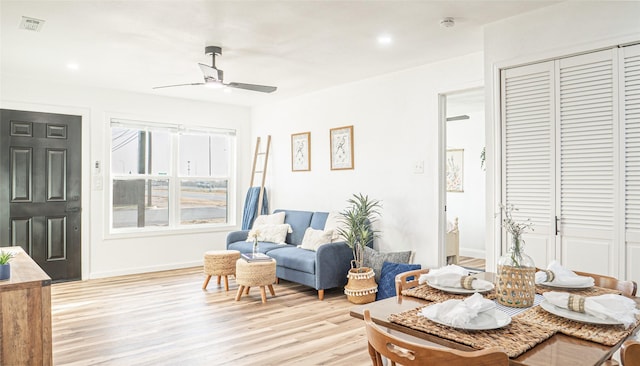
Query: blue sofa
(323, 269)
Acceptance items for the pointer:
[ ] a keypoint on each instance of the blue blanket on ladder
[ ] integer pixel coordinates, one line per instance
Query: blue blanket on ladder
(251, 206)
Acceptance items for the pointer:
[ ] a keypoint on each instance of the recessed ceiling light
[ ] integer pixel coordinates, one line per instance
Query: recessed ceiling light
(384, 39)
(73, 66)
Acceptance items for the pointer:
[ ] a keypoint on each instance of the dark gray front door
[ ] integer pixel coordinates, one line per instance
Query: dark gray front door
(40, 182)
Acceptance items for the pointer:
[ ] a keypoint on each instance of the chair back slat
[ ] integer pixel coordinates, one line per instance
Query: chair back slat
(402, 352)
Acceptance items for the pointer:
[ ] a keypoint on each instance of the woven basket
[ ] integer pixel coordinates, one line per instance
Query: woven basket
(516, 286)
(361, 287)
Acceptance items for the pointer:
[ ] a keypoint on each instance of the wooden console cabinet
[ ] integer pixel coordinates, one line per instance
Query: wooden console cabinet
(25, 313)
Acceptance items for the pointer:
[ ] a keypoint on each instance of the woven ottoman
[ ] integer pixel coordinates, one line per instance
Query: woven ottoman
(252, 274)
(221, 263)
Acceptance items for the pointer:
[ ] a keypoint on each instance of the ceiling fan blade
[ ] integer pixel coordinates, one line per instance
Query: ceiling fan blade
(253, 87)
(171, 86)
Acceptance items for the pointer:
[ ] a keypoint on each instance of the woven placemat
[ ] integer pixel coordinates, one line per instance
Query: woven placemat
(426, 292)
(515, 339)
(608, 335)
(591, 291)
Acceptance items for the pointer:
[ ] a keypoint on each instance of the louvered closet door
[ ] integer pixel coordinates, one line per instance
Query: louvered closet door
(630, 69)
(528, 150)
(586, 87)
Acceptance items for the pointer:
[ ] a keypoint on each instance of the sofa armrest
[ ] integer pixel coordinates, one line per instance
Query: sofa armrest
(235, 236)
(333, 262)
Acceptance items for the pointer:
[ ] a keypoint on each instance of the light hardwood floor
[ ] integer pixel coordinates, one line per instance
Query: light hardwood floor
(165, 318)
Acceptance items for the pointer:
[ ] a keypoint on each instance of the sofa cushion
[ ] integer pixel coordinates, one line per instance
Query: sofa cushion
(318, 220)
(387, 283)
(271, 233)
(315, 238)
(274, 219)
(374, 259)
(334, 222)
(299, 221)
(294, 258)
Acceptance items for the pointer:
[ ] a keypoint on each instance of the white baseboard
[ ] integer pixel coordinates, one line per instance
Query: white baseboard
(138, 270)
(474, 253)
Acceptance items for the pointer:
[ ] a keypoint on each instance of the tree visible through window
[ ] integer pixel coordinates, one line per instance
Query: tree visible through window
(166, 177)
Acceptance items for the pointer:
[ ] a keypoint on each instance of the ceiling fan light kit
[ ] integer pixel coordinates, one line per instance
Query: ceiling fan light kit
(448, 22)
(213, 77)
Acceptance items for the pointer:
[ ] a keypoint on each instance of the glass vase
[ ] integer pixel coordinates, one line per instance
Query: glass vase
(516, 277)
(255, 246)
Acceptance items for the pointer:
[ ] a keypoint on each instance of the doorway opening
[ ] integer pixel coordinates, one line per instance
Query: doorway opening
(464, 182)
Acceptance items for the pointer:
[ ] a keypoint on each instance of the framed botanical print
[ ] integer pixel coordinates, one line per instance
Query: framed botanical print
(455, 170)
(301, 152)
(341, 148)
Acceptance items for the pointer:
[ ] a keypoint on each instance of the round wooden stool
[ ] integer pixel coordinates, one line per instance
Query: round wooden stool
(258, 273)
(221, 263)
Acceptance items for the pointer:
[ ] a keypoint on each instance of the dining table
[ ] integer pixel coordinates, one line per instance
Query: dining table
(533, 337)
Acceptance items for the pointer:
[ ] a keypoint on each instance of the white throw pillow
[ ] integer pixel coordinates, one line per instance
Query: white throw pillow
(313, 239)
(334, 222)
(275, 219)
(270, 233)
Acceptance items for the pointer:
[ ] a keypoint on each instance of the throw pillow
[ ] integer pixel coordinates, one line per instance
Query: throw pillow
(315, 238)
(374, 259)
(270, 233)
(275, 219)
(387, 284)
(334, 222)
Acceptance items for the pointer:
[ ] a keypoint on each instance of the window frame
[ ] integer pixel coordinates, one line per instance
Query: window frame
(173, 177)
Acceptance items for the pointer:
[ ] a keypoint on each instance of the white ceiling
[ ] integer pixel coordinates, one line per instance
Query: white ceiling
(298, 46)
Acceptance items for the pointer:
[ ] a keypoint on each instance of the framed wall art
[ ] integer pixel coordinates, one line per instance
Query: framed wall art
(455, 170)
(301, 152)
(341, 148)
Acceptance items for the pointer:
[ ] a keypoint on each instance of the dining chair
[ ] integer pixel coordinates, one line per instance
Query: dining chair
(401, 352)
(630, 353)
(409, 279)
(627, 288)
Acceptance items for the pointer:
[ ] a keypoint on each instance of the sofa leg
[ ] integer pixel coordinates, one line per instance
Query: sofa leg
(321, 295)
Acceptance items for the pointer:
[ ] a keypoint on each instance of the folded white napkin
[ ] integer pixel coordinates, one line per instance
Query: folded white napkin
(458, 313)
(609, 306)
(562, 277)
(453, 276)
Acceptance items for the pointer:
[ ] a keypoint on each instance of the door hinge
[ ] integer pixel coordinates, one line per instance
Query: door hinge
(557, 224)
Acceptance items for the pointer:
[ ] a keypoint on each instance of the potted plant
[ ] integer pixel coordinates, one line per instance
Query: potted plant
(358, 233)
(5, 266)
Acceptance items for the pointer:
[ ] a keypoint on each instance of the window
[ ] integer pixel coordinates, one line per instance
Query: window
(164, 176)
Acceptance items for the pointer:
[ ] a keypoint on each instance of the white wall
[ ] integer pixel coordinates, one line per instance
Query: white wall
(395, 119)
(104, 255)
(559, 30)
(469, 206)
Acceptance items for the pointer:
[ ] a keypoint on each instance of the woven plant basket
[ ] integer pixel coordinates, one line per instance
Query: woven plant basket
(516, 286)
(361, 287)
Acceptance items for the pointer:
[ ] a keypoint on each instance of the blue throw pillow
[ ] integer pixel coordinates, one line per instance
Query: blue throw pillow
(387, 284)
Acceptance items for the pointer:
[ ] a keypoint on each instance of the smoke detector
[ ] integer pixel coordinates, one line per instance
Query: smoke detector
(447, 22)
(31, 24)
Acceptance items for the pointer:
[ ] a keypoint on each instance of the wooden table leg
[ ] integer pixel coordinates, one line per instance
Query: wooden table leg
(239, 293)
(219, 279)
(263, 293)
(226, 283)
(247, 292)
(206, 282)
(273, 293)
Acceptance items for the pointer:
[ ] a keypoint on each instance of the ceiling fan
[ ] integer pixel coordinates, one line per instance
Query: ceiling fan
(213, 76)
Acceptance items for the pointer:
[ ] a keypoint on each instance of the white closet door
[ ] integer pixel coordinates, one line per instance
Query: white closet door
(528, 153)
(630, 107)
(586, 173)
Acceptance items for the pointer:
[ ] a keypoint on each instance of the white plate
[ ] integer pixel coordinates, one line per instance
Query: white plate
(458, 290)
(574, 315)
(555, 285)
(490, 319)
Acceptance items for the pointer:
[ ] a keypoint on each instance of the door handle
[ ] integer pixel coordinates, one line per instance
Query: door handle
(72, 209)
(557, 224)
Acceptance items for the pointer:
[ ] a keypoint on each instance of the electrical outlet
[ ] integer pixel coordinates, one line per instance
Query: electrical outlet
(418, 167)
